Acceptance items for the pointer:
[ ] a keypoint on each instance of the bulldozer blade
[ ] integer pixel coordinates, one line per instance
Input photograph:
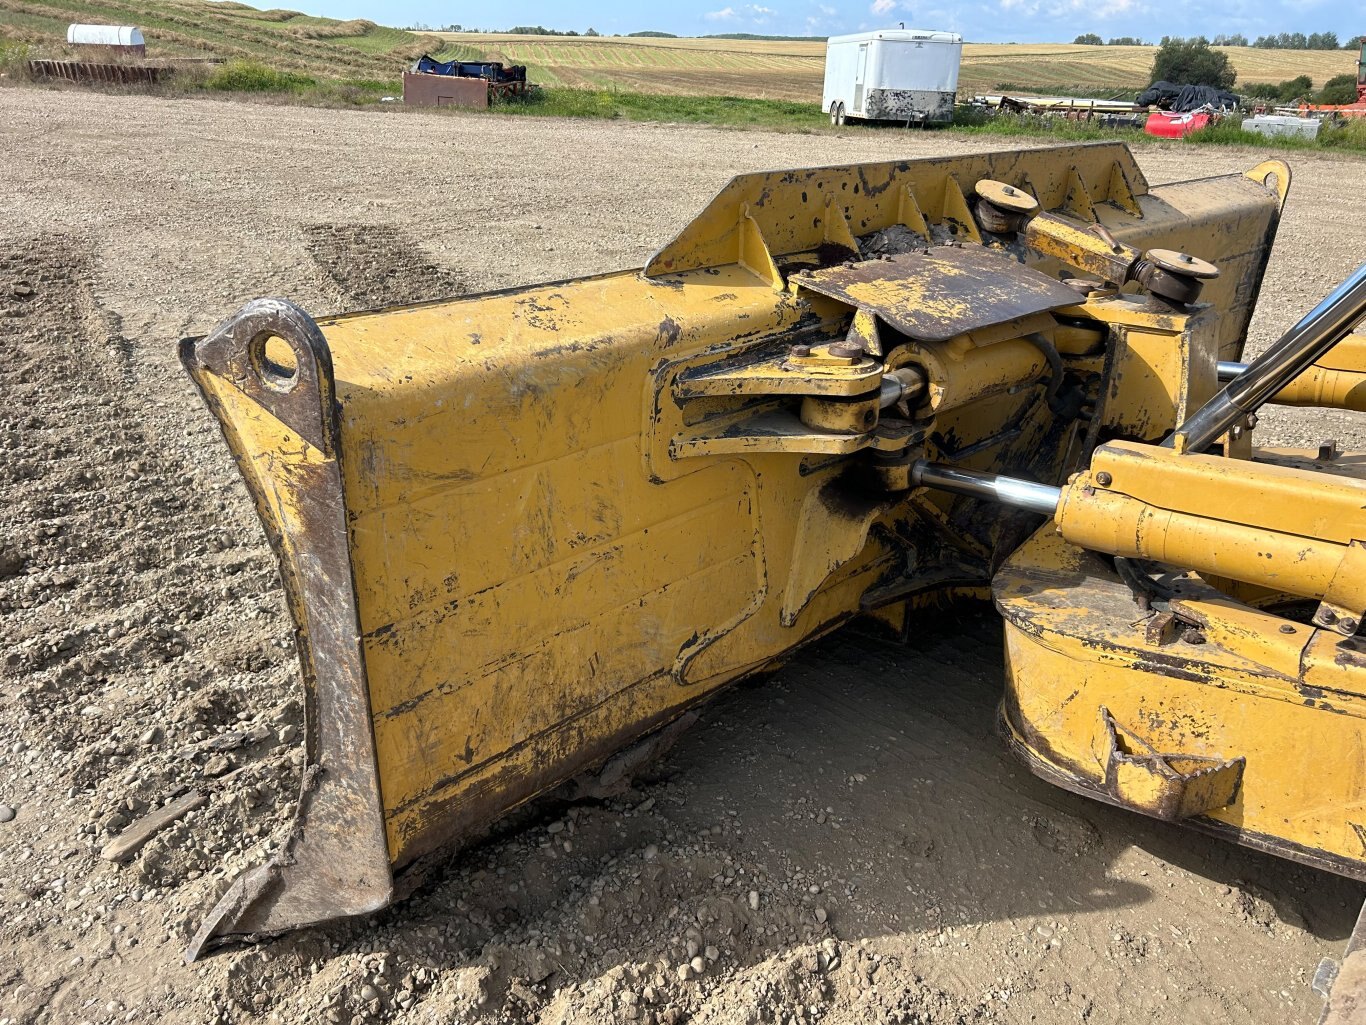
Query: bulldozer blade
(521, 531)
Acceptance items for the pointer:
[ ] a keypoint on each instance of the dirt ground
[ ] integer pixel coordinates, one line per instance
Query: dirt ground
(903, 867)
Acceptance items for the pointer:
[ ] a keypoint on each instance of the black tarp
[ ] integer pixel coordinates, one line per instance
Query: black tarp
(1184, 98)
(492, 71)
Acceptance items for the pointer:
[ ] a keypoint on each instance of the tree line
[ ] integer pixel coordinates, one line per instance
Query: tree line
(1091, 39)
(1193, 62)
(1281, 41)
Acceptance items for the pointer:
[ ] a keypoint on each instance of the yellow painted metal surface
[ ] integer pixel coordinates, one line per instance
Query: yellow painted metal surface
(1337, 381)
(1286, 528)
(565, 513)
(1076, 644)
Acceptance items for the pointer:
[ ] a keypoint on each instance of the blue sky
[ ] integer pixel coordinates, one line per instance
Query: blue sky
(977, 20)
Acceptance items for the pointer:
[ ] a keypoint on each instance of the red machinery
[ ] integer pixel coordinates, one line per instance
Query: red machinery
(1357, 109)
(1168, 124)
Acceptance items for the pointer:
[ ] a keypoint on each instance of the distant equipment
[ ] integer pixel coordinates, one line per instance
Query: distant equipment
(1168, 124)
(113, 38)
(1278, 124)
(906, 75)
(434, 83)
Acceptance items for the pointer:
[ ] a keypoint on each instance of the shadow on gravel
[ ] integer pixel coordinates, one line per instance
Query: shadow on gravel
(857, 810)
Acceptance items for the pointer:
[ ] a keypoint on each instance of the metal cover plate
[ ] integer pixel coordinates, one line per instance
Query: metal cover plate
(950, 290)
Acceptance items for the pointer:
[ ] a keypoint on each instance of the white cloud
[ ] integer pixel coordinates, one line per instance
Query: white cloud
(883, 6)
(749, 12)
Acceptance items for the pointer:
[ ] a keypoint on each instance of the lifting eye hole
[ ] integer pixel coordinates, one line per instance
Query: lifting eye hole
(275, 362)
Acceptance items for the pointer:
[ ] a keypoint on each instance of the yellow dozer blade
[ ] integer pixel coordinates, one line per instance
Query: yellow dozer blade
(520, 531)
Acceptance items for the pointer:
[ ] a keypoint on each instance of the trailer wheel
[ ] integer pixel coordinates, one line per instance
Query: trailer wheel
(837, 113)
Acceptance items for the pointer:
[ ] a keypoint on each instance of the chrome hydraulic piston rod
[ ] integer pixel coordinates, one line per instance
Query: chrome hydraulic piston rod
(1022, 494)
(1322, 328)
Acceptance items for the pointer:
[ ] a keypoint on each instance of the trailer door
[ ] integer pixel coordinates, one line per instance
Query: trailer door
(860, 71)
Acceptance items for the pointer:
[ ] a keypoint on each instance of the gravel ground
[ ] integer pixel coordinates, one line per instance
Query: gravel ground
(894, 865)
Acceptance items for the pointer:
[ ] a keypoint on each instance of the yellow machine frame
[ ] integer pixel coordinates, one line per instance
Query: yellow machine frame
(521, 530)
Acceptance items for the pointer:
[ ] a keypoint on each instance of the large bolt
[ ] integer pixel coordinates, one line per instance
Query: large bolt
(1104, 479)
(846, 350)
(799, 350)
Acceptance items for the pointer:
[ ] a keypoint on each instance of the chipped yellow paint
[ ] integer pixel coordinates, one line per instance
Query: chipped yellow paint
(572, 510)
(1075, 643)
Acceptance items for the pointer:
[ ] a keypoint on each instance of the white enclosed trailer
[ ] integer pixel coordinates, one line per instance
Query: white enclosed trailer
(907, 75)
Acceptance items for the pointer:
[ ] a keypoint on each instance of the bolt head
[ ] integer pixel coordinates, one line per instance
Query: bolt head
(1104, 479)
(800, 350)
(1286, 628)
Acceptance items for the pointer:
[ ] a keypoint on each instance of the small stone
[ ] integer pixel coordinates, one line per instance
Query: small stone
(822, 915)
(288, 733)
(152, 736)
(694, 948)
(651, 852)
(698, 965)
(217, 765)
(712, 953)
(6, 813)
(555, 827)
(754, 900)
(368, 993)
(684, 972)
(813, 889)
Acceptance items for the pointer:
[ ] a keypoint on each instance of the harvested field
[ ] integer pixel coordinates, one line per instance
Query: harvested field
(141, 620)
(761, 68)
(287, 40)
(782, 69)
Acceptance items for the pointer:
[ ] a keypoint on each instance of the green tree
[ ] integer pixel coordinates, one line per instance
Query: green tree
(1089, 39)
(1192, 62)
(1339, 89)
(1296, 88)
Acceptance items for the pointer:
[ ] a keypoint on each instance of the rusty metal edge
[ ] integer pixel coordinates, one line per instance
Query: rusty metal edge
(335, 862)
(1058, 776)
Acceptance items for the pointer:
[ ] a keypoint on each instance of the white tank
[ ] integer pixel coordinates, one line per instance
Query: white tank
(104, 35)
